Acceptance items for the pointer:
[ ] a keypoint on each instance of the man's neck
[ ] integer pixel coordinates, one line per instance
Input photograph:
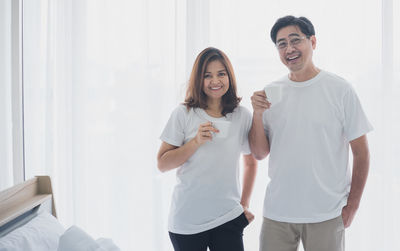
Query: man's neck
(304, 75)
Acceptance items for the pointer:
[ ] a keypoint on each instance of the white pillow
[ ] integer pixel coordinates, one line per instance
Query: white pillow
(40, 233)
(107, 244)
(77, 240)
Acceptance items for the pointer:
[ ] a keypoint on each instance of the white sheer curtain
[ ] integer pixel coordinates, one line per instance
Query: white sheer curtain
(101, 78)
(6, 171)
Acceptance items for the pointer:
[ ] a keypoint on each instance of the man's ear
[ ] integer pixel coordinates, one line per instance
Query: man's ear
(313, 40)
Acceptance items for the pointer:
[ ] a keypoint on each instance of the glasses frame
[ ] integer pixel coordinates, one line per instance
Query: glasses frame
(292, 44)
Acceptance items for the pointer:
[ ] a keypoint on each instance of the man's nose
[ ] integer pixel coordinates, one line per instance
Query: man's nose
(290, 48)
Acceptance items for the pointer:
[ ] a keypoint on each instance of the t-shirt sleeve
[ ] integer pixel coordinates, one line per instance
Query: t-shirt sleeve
(356, 123)
(247, 119)
(173, 132)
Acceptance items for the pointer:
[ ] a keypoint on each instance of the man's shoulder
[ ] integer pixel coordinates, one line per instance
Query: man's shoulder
(335, 80)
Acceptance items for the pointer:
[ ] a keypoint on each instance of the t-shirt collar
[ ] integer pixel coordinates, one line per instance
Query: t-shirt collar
(307, 82)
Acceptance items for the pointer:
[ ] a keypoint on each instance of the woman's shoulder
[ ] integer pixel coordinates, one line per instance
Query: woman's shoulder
(241, 111)
(182, 109)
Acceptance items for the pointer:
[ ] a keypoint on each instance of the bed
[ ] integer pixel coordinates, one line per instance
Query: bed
(28, 221)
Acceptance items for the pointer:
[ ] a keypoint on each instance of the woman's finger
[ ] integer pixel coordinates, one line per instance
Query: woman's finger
(210, 128)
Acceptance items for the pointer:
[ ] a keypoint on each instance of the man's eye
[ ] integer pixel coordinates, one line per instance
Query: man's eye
(282, 45)
(295, 41)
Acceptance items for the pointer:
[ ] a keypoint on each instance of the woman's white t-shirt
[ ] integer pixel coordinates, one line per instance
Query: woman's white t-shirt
(207, 193)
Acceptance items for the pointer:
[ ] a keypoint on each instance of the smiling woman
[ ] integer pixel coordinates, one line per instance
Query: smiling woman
(208, 210)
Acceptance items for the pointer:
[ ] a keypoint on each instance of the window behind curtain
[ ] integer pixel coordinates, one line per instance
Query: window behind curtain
(101, 78)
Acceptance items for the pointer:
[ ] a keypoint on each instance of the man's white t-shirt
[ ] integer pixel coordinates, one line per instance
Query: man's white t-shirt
(207, 193)
(309, 131)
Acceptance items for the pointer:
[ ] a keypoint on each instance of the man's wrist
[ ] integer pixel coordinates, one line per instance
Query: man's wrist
(352, 204)
(258, 115)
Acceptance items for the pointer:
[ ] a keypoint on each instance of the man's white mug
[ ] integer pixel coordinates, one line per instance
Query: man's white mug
(223, 127)
(274, 93)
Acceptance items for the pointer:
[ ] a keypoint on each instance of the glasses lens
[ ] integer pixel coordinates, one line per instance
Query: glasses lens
(282, 45)
(295, 41)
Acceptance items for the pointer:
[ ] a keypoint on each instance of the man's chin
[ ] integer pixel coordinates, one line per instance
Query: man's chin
(294, 68)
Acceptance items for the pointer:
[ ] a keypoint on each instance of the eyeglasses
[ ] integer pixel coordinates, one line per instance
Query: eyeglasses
(283, 44)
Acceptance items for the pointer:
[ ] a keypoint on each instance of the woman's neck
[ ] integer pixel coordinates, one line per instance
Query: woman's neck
(214, 108)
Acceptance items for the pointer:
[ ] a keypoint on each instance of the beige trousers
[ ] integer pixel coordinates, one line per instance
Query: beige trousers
(323, 236)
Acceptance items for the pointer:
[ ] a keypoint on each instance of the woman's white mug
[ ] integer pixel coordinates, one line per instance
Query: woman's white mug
(223, 127)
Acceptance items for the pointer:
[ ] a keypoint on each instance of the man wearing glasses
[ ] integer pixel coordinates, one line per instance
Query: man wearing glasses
(307, 129)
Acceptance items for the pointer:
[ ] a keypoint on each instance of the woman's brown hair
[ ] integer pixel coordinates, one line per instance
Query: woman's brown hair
(195, 96)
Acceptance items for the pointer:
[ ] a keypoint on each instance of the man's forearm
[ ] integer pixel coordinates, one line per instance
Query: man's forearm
(359, 178)
(258, 141)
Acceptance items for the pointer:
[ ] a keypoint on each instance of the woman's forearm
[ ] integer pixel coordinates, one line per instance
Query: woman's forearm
(249, 176)
(174, 158)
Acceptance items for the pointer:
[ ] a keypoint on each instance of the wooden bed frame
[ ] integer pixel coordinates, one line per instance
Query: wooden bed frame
(30, 196)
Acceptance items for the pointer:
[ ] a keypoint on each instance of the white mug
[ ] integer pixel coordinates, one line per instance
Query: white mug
(223, 127)
(274, 93)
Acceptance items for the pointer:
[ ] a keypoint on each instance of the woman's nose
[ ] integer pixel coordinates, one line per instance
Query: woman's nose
(214, 80)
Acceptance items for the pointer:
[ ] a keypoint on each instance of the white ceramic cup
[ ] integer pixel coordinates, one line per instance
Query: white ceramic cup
(274, 94)
(223, 127)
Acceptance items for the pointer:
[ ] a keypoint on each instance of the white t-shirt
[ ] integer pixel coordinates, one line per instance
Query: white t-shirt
(309, 132)
(207, 193)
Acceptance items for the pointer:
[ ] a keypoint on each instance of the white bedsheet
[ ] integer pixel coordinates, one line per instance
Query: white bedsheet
(41, 233)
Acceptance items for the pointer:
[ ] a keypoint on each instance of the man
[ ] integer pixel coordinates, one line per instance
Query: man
(307, 133)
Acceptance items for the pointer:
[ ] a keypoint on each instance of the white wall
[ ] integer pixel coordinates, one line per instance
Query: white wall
(6, 171)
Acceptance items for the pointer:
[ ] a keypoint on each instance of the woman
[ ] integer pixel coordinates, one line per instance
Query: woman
(208, 209)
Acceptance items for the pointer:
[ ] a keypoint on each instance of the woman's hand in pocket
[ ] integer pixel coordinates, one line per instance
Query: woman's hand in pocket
(249, 215)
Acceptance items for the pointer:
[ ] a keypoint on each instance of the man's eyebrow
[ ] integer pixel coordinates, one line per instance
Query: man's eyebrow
(290, 35)
(294, 35)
